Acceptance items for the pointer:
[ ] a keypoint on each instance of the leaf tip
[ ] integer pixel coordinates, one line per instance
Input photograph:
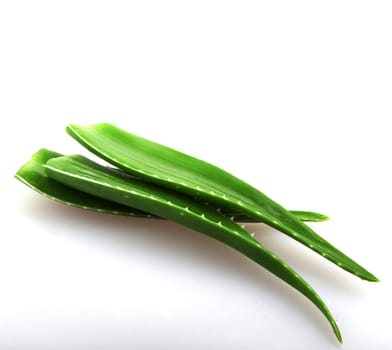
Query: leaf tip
(324, 217)
(367, 276)
(337, 332)
(373, 279)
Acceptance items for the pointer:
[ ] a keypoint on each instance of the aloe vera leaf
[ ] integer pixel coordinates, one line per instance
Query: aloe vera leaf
(309, 216)
(306, 216)
(172, 169)
(84, 175)
(34, 175)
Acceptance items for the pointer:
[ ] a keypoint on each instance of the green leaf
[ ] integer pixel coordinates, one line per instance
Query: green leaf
(33, 175)
(89, 177)
(169, 168)
(309, 216)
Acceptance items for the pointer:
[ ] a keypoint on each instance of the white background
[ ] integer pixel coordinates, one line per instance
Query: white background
(293, 97)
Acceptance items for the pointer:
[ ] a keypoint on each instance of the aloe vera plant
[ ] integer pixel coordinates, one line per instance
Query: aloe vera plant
(33, 174)
(169, 168)
(86, 176)
(155, 181)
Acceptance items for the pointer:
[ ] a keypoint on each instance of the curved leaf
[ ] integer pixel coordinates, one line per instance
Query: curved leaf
(89, 177)
(33, 175)
(172, 169)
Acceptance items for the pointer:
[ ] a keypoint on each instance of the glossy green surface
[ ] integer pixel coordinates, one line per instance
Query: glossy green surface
(34, 175)
(178, 171)
(88, 177)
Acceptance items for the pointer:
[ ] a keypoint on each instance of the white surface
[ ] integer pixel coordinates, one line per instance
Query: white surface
(293, 97)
